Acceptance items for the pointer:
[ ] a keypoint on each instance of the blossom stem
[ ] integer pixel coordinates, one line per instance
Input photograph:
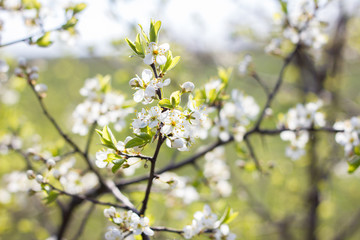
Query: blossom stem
(152, 175)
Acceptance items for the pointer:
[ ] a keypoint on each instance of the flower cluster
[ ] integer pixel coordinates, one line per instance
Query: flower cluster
(243, 109)
(350, 137)
(207, 220)
(179, 127)
(127, 222)
(298, 120)
(217, 172)
(102, 105)
(300, 25)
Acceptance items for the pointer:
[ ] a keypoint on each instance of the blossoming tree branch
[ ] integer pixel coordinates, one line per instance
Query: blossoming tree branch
(208, 117)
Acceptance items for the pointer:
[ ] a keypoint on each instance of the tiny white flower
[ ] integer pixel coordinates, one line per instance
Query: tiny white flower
(156, 54)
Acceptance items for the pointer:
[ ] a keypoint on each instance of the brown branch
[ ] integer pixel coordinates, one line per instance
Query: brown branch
(273, 93)
(84, 221)
(84, 197)
(151, 175)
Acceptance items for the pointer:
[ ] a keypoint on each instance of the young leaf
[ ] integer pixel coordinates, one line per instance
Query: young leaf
(70, 23)
(175, 98)
(354, 163)
(44, 41)
(144, 34)
(165, 103)
(107, 135)
(174, 62)
(117, 165)
(135, 142)
(79, 7)
(139, 46)
(145, 136)
(52, 196)
(131, 44)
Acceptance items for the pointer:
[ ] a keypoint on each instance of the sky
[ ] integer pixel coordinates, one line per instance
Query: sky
(202, 25)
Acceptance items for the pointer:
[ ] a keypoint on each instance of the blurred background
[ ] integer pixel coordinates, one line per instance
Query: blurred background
(206, 34)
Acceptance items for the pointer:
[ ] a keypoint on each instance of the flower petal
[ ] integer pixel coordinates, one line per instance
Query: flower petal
(163, 48)
(161, 59)
(146, 75)
(139, 95)
(149, 59)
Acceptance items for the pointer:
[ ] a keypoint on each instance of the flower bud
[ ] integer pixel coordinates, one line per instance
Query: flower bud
(41, 89)
(187, 87)
(34, 69)
(22, 62)
(134, 82)
(18, 72)
(30, 174)
(56, 174)
(34, 76)
(40, 179)
(50, 163)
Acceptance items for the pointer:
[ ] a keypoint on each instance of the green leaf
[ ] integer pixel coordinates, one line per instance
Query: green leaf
(52, 196)
(131, 44)
(105, 83)
(212, 95)
(224, 74)
(165, 103)
(139, 47)
(283, 6)
(31, 4)
(357, 150)
(174, 62)
(175, 98)
(70, 23)
(44, 41)
(154, 30)
(135, 142)
(107, 135)
(228, 216)
(144, 135)
(79, 7)
(117, 165)
(354, 163)
(144, 34)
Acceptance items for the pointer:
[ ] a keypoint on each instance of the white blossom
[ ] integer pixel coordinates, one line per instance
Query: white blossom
(156, 54)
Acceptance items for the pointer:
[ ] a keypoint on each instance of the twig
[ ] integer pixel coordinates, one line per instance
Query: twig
(83, 222)
(88, 199)
(29, 38)
(151, 175)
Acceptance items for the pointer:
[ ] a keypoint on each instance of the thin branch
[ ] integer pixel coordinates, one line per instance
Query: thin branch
(166, 229)
(173, 166)
(252, 154)
(151, 175)
(261, 83)
(84, 197)
(84, 221)
(62, 133)
(90, 136)
(271, 96)
(29, 38)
